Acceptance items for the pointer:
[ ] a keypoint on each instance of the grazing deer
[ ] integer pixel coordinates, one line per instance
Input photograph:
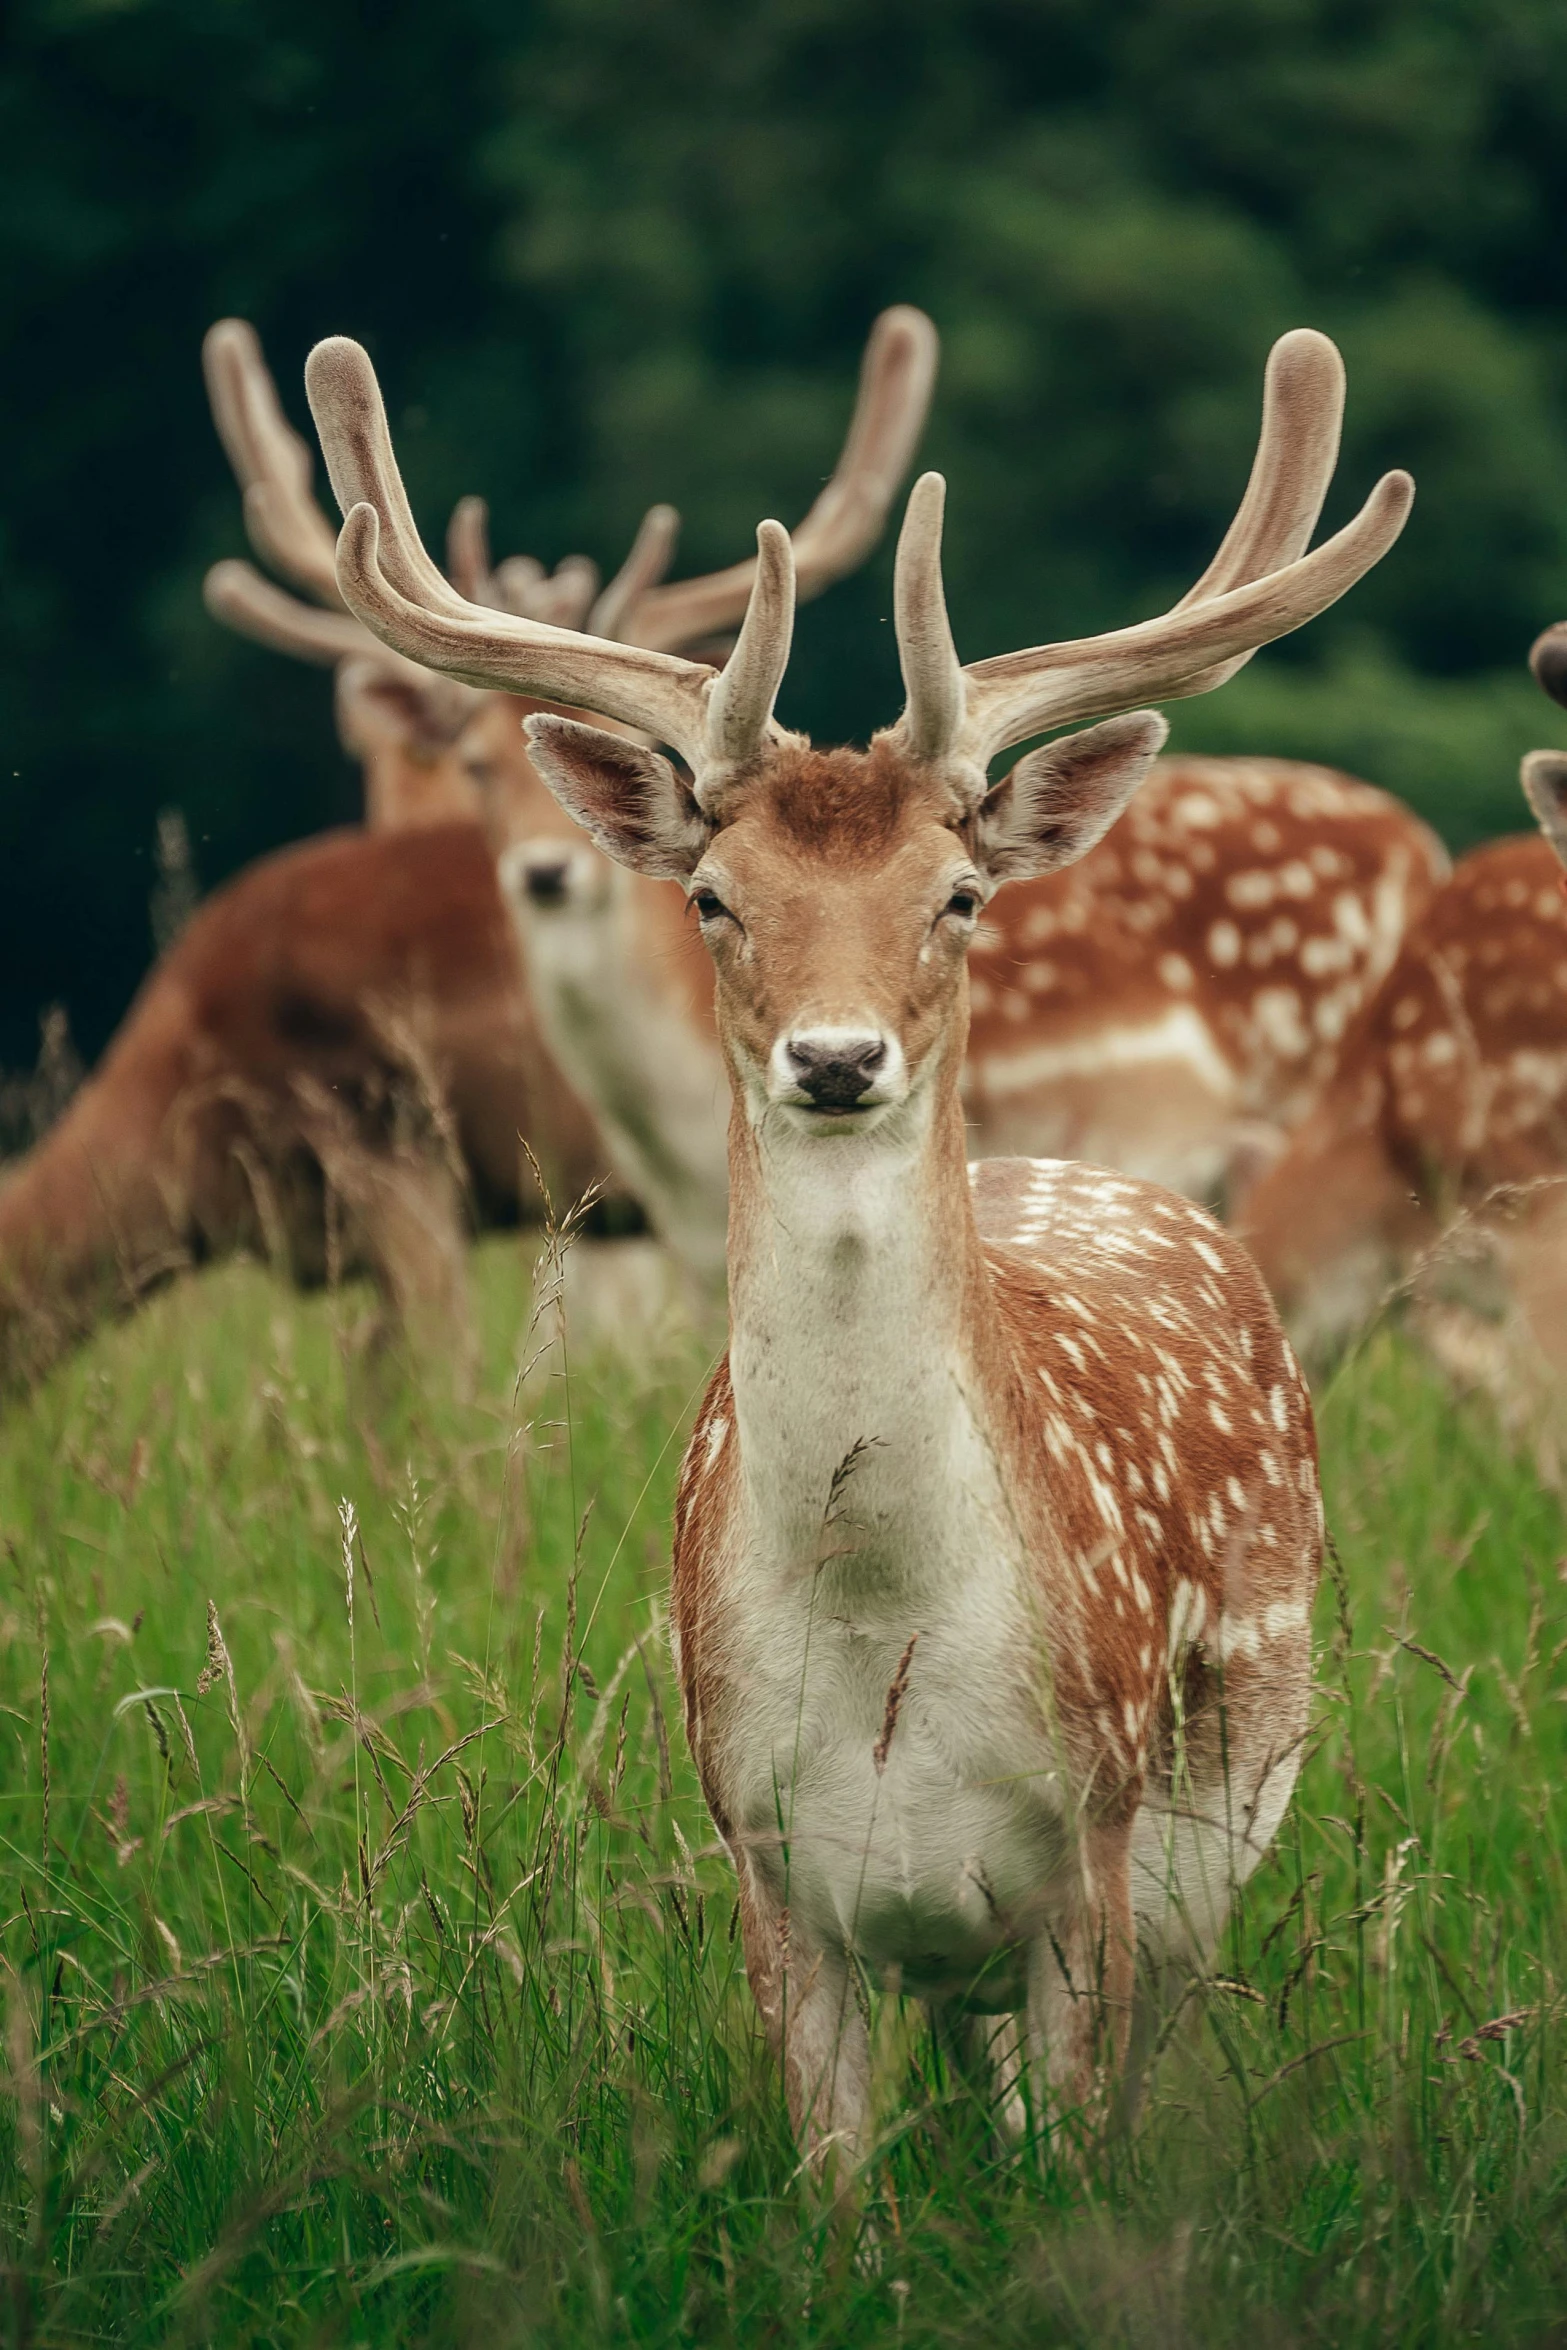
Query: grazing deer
(1451, 1088)
(999, 1528)
(337, 1056)
(1171, 1006)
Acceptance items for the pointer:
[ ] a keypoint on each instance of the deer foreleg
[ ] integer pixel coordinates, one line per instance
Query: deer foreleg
(814, 2026)
(1081, 1980)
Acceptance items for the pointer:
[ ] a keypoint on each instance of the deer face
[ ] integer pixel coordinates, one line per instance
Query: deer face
(837, 893)
(837, 908)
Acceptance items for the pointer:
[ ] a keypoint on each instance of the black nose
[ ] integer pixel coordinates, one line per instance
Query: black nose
(835, 1070)
(544, 878)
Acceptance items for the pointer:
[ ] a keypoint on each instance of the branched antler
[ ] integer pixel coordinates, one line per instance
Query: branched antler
(623, 669)
(1259, 586)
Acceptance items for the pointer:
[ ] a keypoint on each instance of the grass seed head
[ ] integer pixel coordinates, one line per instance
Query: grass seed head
(897, 1689)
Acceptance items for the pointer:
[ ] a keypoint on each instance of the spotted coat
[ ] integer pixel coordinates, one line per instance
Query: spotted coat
(1197, 971)
(1453, 1081)
(1158, 1419)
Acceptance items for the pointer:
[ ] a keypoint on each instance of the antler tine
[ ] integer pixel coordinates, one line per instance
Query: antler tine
(897, 376)
(517, 582)
(1019, 694)
(1255, 591)
(897, 379)
(567, 596)
(271, 462)
(1548, 660)
(389, 581)
(933, 678)
(236, 594)
(468, 550)
(350, 415)
(652, 551)
(1297, 450)
(740, 707)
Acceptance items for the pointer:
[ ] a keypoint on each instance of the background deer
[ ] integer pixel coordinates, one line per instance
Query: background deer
(999, 1528)
(436, 750)
(1444, 1170)
(1451, 1086)
(337, 1056)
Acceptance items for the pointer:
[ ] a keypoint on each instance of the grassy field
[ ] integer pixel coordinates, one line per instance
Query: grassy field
(369, 1973)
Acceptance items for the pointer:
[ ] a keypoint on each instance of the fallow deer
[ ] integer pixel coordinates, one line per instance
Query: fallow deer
(337, 1056)
(1451, 1092)
(998, 1532)
(1452, 1081)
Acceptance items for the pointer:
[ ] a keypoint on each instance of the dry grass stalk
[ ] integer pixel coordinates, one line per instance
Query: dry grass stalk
(219, 1666)
(896, 1691)
(43, 1742)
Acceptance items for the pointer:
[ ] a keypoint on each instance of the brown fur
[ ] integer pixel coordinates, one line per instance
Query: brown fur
(1304, 880)
(1453, 1081)
(354, 1003)
(348, 1016)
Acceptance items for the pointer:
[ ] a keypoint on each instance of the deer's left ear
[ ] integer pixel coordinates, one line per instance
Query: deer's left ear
(1545, 789)
(627, 799)
(1060, 800)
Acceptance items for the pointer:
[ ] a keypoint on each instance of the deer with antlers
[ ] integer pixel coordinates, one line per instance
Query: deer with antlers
(1170, 1006)
(998, 1531)
(336, 1057)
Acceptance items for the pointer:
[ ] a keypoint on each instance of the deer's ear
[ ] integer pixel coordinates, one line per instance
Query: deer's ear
(377, 708)
(1060, 800)
(1545, 789)
(628, 800)
(1548, 660)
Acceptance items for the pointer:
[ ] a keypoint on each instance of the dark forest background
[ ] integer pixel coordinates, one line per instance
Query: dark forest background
(606, 252)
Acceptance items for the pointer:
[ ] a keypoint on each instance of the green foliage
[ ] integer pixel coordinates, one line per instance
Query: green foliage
(606, 254)
(368, 1970)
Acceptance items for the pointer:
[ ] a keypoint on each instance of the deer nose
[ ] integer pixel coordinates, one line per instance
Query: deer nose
(544, 875)
(835, 1067)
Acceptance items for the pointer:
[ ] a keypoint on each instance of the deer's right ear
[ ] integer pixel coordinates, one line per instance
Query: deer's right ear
(1545, 789)
(628, 800)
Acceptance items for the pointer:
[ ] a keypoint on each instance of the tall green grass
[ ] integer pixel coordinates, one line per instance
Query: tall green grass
(369, 1973)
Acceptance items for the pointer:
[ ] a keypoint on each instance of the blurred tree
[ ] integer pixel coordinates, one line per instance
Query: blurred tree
(606, 254)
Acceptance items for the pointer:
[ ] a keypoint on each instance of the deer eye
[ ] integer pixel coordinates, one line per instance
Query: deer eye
(710, 907)
(963, 905)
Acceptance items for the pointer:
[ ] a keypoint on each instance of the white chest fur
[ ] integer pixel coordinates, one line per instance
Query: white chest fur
(871, 1510)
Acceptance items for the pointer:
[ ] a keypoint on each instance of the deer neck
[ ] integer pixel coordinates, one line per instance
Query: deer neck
(861, 1357)
(616, 1015)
